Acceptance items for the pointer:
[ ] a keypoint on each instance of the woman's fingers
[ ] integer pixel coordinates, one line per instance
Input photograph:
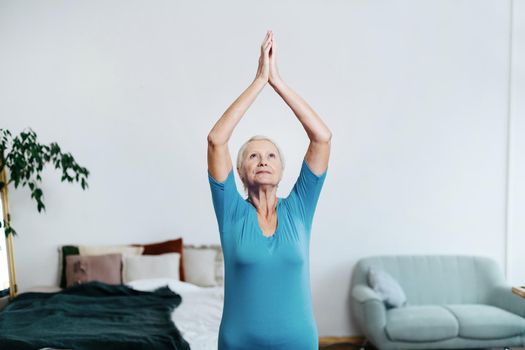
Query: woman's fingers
(272, 48)
(263, 70)
(266, 40)
(273, 76)
(266, 49)
(268, 45)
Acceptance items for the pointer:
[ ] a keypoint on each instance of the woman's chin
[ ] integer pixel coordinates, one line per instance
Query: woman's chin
(265, 183)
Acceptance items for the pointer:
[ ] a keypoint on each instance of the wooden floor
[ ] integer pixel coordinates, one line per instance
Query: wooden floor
(343, 343)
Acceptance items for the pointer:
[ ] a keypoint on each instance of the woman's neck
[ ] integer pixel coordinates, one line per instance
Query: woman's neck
(264, 200)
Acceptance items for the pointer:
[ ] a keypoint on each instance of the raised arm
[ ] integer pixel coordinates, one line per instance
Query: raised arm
(320, 136)
(219, 160)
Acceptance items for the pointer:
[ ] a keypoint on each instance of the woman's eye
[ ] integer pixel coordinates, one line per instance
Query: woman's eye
(251, 155)
(272, 155)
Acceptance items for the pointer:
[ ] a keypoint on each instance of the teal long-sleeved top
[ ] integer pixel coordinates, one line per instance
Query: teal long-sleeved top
(267, 297)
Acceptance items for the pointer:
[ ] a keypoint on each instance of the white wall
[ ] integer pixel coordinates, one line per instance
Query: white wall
(415, 92)
(516, 186)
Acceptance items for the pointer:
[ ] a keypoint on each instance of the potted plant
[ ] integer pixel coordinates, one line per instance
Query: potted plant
(22, 159)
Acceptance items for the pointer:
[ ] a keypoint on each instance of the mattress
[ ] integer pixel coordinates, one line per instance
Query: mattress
(198, 316)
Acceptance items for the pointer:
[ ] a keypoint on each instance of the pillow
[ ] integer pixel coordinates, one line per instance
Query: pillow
(204, 265)
(103, 268)
(66, 250)
(63, 252)
(151, 266)
(387, 287)
(171, 246)
(125, 250)
(150, 284)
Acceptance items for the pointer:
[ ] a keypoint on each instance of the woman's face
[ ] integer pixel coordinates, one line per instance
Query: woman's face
(261, 165)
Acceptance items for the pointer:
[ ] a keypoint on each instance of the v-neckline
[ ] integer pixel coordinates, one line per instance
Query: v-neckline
(261, 232)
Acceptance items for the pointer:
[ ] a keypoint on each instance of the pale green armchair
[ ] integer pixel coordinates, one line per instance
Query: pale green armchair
(453, 302)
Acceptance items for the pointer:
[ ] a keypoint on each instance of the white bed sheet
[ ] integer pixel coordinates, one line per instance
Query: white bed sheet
(198, 316)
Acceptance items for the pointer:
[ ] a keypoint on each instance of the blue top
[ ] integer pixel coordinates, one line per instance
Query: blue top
(267, 298)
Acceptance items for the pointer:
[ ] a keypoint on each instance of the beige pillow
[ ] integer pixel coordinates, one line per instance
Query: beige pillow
(204, 266)
(125, 250)
(151, 266)
(103, 268)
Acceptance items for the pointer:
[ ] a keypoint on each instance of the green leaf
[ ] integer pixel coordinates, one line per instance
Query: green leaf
(9, 230)
(24, 157)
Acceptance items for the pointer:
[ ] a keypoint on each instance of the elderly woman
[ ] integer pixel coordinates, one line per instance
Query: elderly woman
(265, 239)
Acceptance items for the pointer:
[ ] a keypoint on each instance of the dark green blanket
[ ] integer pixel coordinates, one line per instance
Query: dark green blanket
(92, 316)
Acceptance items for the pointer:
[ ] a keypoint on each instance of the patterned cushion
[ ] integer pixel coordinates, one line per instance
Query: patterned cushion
(86, 268)
(66, 250)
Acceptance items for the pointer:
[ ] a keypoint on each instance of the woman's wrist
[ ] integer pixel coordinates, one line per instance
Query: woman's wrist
(259, 81)
(276, 83)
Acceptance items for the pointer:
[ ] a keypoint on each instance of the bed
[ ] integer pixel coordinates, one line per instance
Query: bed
(188, 315)
(44, 321)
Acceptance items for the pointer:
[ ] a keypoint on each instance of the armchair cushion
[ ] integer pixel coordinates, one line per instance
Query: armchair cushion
(421, 323)
(387, 287)
(502, 297)
(486, 322)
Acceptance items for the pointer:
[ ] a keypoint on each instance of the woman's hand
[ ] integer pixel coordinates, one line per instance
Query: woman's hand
(274, 77)
(263, 71)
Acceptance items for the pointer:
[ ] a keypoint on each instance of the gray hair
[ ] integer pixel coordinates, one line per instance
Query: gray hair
(242, 151)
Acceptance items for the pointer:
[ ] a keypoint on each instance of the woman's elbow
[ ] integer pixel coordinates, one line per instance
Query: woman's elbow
(324, 137)
(214, 140)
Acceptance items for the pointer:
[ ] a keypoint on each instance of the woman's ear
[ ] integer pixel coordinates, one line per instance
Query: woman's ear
(240, 175)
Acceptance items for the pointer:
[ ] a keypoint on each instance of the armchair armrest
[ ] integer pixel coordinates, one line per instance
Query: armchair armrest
(362, 293)
(502, 297)
(369, 310)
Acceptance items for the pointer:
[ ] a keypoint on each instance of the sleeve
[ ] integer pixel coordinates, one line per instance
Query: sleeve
(305, 193)
(226, 199)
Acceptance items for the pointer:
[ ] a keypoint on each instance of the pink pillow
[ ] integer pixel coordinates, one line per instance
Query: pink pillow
(85, 268)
